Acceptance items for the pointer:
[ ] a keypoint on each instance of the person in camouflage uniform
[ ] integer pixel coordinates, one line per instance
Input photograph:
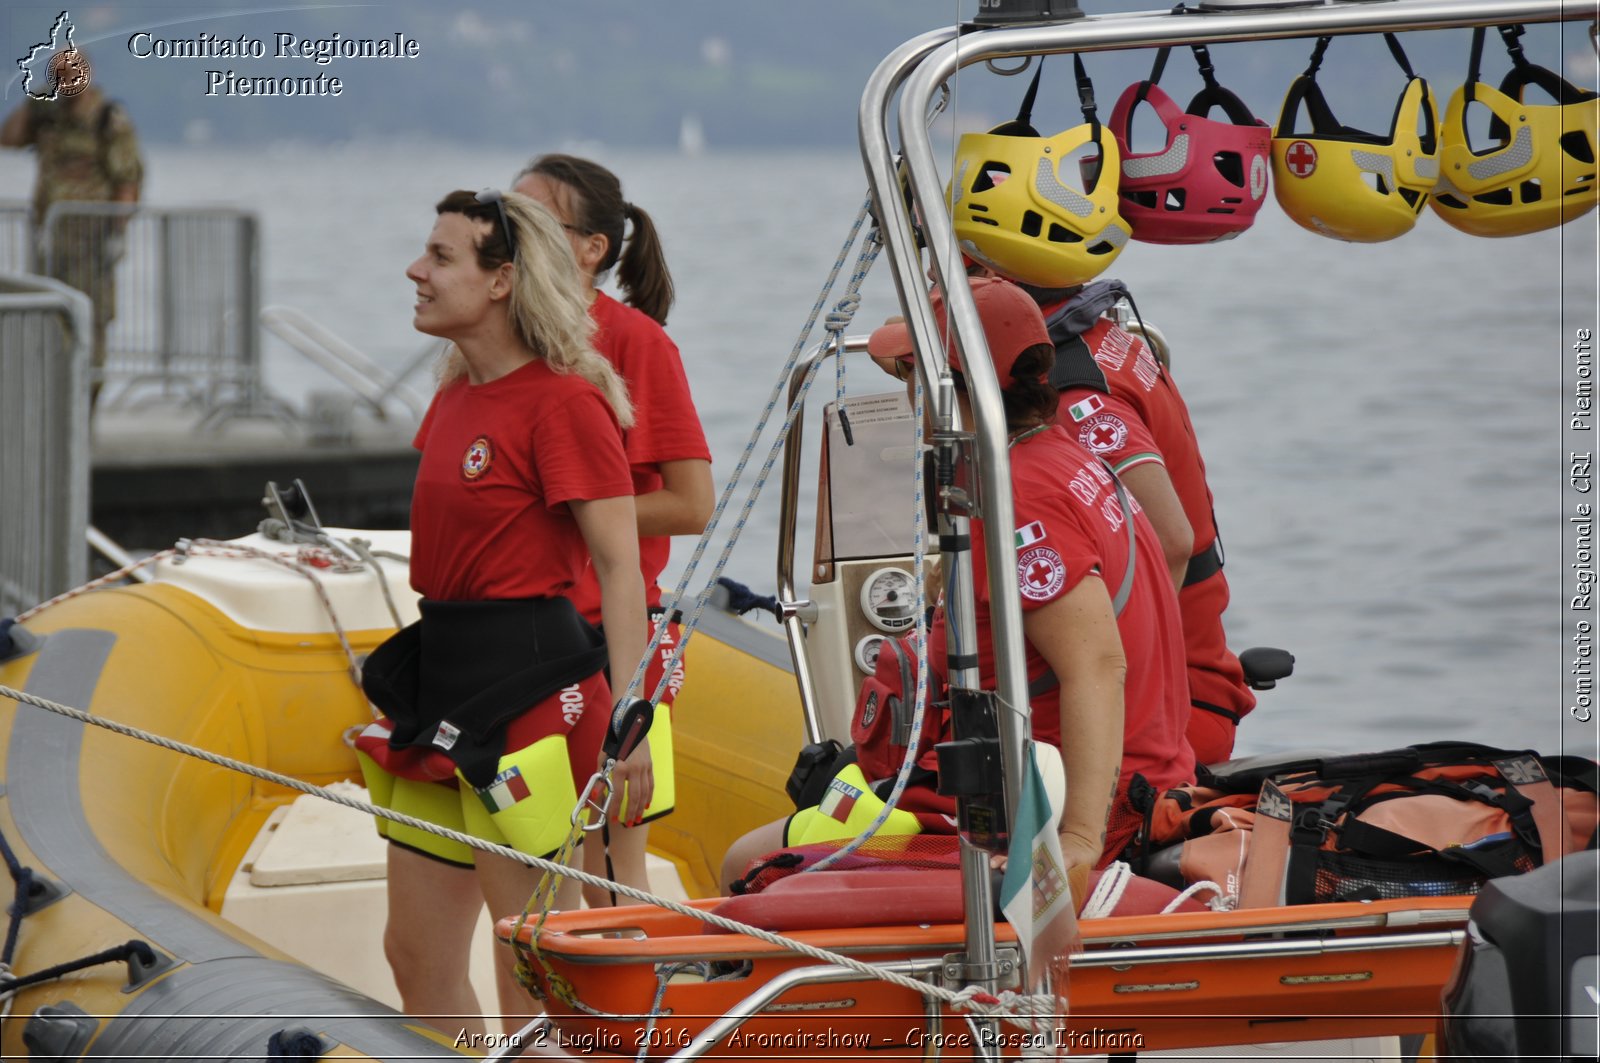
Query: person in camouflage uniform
(88, 151)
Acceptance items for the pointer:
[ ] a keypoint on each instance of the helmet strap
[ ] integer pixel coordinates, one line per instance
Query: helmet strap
(1399, 54)
(1090, 115)
(1316, 57)
(1025, 112)
(1512, 36)
(1202, 58)
(1156, 70)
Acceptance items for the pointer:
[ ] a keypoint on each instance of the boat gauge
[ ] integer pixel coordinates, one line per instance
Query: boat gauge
(889, 600)
(866, 653)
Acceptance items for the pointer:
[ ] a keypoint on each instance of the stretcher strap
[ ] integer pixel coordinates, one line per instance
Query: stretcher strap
(1261, 882)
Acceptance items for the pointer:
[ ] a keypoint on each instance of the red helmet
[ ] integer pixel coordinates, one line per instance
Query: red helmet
(1210, 178)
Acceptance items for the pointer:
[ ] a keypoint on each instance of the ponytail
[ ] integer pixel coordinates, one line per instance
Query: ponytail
(591, 196)
(642, 270)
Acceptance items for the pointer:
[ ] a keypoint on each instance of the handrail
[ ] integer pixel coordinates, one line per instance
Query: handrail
(365, 378)
(793, 625)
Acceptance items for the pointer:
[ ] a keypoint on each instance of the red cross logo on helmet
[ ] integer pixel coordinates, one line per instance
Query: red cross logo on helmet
(1301, 159)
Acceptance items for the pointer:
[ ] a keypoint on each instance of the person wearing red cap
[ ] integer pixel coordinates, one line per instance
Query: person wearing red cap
(1099, 611)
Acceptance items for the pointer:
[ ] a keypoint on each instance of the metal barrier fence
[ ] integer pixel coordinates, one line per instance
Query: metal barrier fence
(16, 237)
(177, 291)
(45, 330)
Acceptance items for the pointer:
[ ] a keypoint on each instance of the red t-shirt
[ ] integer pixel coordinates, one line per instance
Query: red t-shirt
(1142, 419)
(665, 426)
(500, 461)
(1070, 524)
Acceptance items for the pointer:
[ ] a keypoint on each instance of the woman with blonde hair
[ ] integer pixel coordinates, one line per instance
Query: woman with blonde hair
(666, 447)
(495, 702)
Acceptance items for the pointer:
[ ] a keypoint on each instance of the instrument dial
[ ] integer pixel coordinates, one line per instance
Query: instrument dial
(888, 597)
(866, 653)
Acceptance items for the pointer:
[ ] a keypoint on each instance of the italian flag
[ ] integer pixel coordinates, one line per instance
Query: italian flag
(1086, 407)
(1029, 534)
(1034, 894)
(839, 800)
(507, 789)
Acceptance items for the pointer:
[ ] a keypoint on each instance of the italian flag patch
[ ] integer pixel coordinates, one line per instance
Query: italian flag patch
(505, 790)
(1086, 407)
(1029, 534)
(839, 800)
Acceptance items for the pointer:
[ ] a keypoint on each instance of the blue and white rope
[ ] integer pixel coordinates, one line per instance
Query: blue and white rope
(836, 324)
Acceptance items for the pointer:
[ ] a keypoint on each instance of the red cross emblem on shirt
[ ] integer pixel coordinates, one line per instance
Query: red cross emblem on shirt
(1103, 435)
(1301, 159)
(475, 462)
(1040, 574)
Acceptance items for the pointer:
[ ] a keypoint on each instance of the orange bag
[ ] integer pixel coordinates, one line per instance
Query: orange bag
(1435, 819)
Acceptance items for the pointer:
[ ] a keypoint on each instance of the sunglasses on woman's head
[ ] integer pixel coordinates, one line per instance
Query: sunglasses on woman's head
(492, 195)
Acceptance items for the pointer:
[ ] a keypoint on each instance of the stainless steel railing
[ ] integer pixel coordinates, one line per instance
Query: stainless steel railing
(44, 439)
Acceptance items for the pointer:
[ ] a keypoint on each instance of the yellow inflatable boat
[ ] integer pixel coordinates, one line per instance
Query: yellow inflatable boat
(247, 650)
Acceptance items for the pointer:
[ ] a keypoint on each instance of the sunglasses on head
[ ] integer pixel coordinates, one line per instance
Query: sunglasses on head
(492, 195)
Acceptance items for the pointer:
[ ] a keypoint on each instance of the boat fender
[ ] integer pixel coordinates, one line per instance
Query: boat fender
(17, 641)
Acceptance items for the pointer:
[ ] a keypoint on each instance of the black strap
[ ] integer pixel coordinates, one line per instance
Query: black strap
(1206, 706)
(1025, 111)
(1022, 124)
(1156, 70)
(1075, 367)
(1204, 565)
(1316, 56)
(1399, 54)
(1091, 116)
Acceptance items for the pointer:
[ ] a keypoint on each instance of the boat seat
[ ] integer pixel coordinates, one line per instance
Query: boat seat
(825, 900)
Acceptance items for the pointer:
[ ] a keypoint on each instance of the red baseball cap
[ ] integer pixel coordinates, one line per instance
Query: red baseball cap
(1011, 323)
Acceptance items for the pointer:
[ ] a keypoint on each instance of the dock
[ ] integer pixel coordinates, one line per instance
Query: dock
(157, 477)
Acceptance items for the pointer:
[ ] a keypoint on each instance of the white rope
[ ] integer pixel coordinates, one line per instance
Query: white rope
(978, 1002)
(1107, 893)
(306, 559)
(1220, 903)
(918, 713)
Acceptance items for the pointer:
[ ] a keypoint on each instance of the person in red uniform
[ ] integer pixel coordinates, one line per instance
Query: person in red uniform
(666, 447)
(1121, 403)
(1117, 706)
(495, 702)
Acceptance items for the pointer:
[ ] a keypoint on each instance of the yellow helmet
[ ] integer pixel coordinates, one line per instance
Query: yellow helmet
(1013, 212)
(1539, 173)
(1348, 184)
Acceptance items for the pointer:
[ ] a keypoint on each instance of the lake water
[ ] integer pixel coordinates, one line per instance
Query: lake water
(1382, 424)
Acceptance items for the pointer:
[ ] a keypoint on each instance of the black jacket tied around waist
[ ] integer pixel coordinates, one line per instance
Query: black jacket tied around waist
(457, 678)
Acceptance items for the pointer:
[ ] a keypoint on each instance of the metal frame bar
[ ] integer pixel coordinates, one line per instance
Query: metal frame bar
(919, 68)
